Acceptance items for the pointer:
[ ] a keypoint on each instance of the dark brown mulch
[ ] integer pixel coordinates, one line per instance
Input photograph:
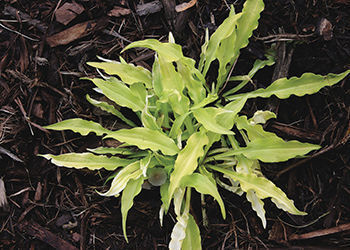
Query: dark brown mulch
(41, 61)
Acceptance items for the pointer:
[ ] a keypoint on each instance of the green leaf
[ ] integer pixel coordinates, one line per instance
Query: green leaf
(273, 149)
(254, 131)
(257, 205)
(148, 120)
(131, 190)
(132, 171)
(164, 195)
(80, 126)
(247, 23)
(176, 127)
(169, 86)
(186, 162)
(261, 117)
(111, 150)
(307, 84)
(87, 160)
(207, 117)
(207, 100)
(263, 188)
(169, 51)
(119, 93)
(128, 73)
(227, 119)
(224, 31)
(193, 79)
(110, 109)
(192, 240)
(203, 185)
(145, 138)
(225, 58)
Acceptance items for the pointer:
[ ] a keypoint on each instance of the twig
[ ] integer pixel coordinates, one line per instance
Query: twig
(322, 232)
(19, 33)
(284, 36)
(116, 34)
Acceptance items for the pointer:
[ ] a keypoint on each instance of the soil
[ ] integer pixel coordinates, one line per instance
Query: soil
(51, 207)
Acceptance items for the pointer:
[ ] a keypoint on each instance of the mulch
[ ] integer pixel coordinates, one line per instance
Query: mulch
(44, 47)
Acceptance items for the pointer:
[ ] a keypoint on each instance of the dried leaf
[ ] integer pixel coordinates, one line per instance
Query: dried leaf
(71, 34)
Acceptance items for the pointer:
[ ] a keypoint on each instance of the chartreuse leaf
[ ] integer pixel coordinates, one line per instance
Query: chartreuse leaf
(111, 150)
(227, 119)
(164, 195)
(193, 79)
(203, 185)
(307, 84)
(132, 171)
(119, 93)
(211, 97)
(257, 205)
(169, 86)
(247, 23)
(193, 237)
(224, 56)
(147, 119)
(176, 127)
(87, 160)
(254, 131)
(131, 190)
(223, 31)
(263, 188)
(80, 126)
(110, 109)
(261, 117)
(244, 26)
(273, 149)
(169, 51)
(128, 73)
(187, 160)
(207, 117)
(145, 138)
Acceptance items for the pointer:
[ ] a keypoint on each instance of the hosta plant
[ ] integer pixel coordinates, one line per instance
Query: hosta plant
(184, 138)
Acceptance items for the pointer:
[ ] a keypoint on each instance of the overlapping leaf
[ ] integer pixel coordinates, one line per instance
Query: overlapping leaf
(128, 73)
(119, 93)
(169, 51)
(145, 138)
(272, 149)
(87, 160)
(207, 117)
(262, 187)
(307, 84)
(132, 171)
(187, 160)
(110, 109)
(203, 185)
(193, 238)
(80, 126)
(132, 189)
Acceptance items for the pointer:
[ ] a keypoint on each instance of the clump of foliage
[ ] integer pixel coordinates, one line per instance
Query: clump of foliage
(186, 140)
